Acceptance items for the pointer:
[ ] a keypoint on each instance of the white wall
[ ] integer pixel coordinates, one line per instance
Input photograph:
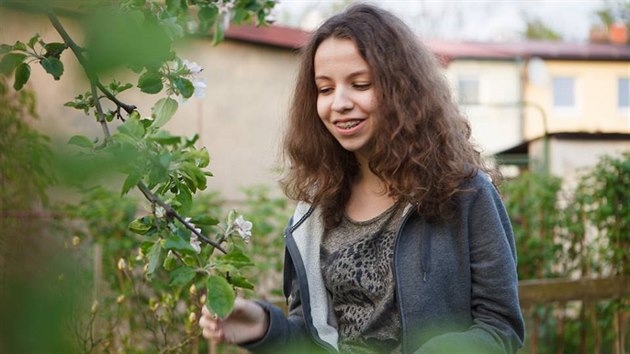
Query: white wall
(495, 120)
(240, 120)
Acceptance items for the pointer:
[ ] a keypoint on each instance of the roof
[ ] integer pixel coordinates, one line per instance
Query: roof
(293, 38)
(522, 147)
(276, 36)
(527, 49)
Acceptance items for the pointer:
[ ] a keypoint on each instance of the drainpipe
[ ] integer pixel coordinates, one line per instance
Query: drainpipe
(543, 115)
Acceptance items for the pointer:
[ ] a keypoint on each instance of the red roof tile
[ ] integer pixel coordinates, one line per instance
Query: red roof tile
(292, 38)
(277, 36)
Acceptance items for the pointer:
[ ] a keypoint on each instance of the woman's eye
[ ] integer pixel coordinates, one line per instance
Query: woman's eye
(362, 86)
(324, 90)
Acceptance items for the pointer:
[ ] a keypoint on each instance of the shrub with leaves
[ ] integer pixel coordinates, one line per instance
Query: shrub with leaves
(168, 170)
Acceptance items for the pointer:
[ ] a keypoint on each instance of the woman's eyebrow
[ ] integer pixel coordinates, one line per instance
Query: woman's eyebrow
(354, 74)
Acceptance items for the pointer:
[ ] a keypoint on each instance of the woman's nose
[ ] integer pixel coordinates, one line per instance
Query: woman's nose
(341, 101)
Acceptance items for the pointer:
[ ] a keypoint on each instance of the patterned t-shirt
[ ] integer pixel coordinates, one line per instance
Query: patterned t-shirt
(356, 260)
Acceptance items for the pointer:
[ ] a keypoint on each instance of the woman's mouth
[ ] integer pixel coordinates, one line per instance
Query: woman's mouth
(348, 126)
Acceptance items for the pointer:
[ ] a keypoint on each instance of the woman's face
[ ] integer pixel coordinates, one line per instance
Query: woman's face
(346, 99)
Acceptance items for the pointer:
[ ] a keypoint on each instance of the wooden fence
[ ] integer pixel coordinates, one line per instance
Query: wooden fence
(588, 291)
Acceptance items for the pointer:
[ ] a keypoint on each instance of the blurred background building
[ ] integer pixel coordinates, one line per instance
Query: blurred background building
(534, 102)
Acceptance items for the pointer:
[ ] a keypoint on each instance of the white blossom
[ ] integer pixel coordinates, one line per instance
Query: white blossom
(193, 67)
(195, 244)
(200, 88)
(243, 227)
(159, 212)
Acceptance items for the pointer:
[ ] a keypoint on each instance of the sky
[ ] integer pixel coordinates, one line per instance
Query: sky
(481, 20)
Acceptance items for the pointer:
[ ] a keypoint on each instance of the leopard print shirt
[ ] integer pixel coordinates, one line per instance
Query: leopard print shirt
(356, 260)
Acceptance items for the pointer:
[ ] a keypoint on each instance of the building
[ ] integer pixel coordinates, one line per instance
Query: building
(573, 99)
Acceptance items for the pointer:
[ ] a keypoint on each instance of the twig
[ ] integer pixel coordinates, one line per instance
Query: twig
(127, 107)
(171, 212)
(99, 111)
(78, 53)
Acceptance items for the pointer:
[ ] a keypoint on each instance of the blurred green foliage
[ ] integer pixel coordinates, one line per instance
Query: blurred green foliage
(574, 231)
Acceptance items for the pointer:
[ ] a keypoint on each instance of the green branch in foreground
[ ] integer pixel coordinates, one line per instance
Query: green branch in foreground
(78, 53)
(94, 83)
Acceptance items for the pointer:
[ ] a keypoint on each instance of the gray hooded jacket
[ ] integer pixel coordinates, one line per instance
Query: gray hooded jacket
(456, 281)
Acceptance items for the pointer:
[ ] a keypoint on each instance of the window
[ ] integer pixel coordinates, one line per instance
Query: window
(468, 89)
(563, 92)
(623, 93)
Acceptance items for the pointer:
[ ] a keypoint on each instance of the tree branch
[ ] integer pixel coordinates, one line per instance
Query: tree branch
(99, 111)
(78, 53)
(127, 107)
(171, 212)
(94, 83)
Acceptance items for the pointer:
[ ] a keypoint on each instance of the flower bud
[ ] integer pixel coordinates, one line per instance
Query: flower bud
(120, 299)
(154, 304)
(140, 255)
(193, 290)
(94, 306)
(122, 265)
(192, 317)
(75, 241)
(202, 299)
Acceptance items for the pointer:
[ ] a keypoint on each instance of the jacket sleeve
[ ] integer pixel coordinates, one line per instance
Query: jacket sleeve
(497, 325)
(286, 334)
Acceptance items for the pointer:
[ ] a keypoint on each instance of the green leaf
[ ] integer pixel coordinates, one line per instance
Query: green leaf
(175, 242)
(82, 141)
(22, 73)
(184, 197)
(165, 138)
(20, 46)
(53, 66)
(240, 15)
(199, 157)
(54, 49)
(220, 296)
(5, 48)
(34, 40)
(154, 257)
(236, 258)
(163, 111)
(10, 62)
(240, 282)
(133, 128)
(181, 276)
(170, 261)
(150, 82)
(115, 36)
(218, 33)
(204, 220)
(131, 181)
(142, 225)
(184, 86)
(207, 17)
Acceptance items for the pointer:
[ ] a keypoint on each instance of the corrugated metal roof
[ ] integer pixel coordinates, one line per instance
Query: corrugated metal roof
(293, 38)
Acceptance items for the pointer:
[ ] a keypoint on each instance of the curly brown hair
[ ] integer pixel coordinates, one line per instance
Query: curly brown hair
(421, 148)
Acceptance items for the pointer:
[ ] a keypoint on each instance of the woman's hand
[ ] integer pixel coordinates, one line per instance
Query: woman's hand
(246, 323)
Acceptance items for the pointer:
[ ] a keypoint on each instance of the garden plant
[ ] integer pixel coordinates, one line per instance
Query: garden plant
(183, 255)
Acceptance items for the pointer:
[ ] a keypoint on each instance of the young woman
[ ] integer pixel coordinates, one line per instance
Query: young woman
(400, 243)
